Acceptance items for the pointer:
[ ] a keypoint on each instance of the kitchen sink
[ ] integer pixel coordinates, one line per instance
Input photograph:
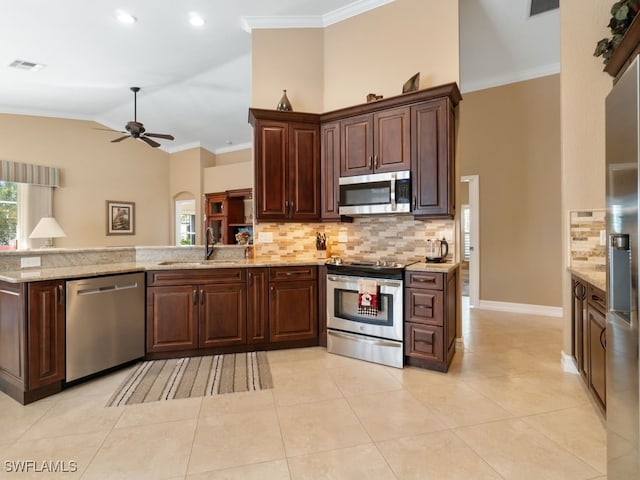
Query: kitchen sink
(181, 263)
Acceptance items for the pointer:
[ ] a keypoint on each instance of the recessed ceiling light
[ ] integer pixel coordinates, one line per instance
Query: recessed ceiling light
(124, 17)
(26, 65)
(196, 20)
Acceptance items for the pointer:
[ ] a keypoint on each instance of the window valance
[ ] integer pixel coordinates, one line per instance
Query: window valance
(28, 173)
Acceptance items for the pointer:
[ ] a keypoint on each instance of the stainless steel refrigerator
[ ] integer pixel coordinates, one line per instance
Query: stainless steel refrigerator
(622, 156)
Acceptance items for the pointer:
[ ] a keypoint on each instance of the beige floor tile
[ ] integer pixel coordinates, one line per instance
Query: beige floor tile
(16, 419)
(316, 427)
(72, 415)
(276, 470)
(296, 389)
(68, 455)
(241, 402)
(363, 378)
(360, 462)
(581, 430)
(159, 412)
(296, 354)
(394, 414)
(518, 451)
(437, 455)
(105, 385)
(283, 370)
(158, 451)
(236, 439)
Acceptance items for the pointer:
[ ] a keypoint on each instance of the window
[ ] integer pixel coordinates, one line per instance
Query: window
(8, 215)
(466, 233)
(187, 229)
(185, 233)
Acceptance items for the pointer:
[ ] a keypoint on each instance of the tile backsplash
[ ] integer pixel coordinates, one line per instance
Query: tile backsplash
(386, 237)
(585, 248)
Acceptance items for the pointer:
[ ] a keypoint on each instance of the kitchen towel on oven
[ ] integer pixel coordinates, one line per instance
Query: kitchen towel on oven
(367, 297)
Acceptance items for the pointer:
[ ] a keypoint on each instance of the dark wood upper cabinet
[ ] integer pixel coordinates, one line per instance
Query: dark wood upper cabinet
(432, 159)
(287, 165)
(376, 143)
(330, 170)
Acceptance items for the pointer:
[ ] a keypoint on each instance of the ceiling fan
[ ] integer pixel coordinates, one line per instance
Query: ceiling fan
(136, 129)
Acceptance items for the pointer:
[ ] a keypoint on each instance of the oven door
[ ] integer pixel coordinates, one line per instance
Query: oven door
(342, 308)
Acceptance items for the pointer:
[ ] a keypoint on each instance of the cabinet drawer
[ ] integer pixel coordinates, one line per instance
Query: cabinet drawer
(424, 341)
(424, 306)
(199, 276)
(433, 281)
(309, 272)
(597, 298)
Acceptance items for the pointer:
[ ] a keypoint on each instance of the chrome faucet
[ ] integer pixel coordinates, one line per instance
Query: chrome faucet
(208, 249)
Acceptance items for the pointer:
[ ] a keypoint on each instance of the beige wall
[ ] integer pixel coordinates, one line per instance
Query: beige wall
(584, 87)
(185, 173)
(93, 170)
(229, 171)
(377, 51)
(510, 137)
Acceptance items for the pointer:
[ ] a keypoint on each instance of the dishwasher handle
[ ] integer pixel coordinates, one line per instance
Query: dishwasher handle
(107, 289)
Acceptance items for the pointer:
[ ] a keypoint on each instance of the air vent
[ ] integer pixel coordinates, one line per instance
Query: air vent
(25, 65)
(541, 6)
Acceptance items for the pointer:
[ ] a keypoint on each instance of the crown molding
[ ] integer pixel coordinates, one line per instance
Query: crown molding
(233, 148)
(513, 77)
(315, 21)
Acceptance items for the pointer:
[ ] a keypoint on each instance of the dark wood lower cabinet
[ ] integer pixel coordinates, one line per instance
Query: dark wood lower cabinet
(257, 306)
(293, 304)
(32, 339)
(223, 319)
(171, 318)
(431, 303)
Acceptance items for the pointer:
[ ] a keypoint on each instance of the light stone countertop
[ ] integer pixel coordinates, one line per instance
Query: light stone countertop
(433, 267)
(82, 271)
(596, 278)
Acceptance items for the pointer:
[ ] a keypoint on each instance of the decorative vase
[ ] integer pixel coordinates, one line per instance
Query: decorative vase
(284, 105)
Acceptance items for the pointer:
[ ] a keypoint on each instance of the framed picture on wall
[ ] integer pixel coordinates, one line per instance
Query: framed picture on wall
(121, 218)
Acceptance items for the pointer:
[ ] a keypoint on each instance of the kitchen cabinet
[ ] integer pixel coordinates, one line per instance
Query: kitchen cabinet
(257, 306)
(32, 339)
(330, 170)
(225, 214)
(375, 143)
(589, 332)
(293, 304)
(596, 332)
(287, 165)
(195, 309)
(431, 304)
(432, 158)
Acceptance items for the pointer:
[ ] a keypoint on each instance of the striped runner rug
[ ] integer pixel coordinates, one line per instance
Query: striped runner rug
(157, 380)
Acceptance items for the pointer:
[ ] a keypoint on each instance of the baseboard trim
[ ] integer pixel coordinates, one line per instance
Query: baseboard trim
(520, 308)
(567, 363)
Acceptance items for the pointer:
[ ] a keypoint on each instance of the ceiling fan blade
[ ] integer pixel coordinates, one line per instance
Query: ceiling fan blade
(150, 142)
(120, 138)
(160, 135)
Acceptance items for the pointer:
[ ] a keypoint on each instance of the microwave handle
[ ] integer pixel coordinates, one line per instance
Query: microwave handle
(393, 193)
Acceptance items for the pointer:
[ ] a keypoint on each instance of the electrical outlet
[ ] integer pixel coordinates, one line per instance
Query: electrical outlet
(265, 237)
(603, 237)
(27, 262)
(343, 237)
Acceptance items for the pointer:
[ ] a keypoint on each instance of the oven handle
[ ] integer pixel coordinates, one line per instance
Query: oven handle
(359, 338)
(386, 283)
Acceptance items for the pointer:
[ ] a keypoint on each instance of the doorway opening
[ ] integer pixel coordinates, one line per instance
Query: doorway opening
(470, 239)
(185, 222)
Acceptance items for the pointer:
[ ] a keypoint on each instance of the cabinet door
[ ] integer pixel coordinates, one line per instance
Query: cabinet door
(330, 170)
(172, 318)
(12, 331)
(432, 159)
(46, 332)
(392, 140)
(356, 146)
(223, 316)
(257, 306)
(271, 156)
(425, 342)
(597, 355)
(293, 311)
(303, 201)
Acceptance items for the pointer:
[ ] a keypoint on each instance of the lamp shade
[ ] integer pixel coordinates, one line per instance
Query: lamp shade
(47, 227)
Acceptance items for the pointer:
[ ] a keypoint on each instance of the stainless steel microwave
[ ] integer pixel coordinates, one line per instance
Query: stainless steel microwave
(376, 193)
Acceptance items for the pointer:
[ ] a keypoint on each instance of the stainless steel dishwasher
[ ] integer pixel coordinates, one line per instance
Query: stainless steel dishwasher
(105, 323)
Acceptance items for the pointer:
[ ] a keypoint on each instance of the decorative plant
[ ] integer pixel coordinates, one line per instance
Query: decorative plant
(622, 14)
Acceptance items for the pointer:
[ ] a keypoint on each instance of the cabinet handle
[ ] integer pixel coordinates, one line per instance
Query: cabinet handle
(425, 280)
(291, 204)
(603, 343)
(370, 161)
(201, 297)
(377, 161)
(415, 202)
(194, 296)
(250, 279)
(60, 295)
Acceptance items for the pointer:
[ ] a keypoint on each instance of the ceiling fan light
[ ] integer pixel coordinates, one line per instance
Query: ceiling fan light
(124, 17)
(196, 20)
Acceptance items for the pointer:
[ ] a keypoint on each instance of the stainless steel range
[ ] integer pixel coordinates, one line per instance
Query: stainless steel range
(365, 310)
